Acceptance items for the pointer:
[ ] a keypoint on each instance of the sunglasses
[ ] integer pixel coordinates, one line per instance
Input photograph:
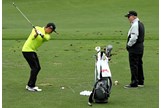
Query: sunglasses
(128, 16)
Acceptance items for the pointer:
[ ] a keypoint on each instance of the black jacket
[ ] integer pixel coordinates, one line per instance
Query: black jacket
(138, 47)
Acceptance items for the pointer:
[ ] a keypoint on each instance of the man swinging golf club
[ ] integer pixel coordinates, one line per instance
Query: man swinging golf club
(38, 36)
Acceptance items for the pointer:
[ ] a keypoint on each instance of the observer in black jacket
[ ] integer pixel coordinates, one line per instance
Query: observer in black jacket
(135, 48)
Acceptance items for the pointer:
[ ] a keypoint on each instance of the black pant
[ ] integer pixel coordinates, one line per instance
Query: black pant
(136, 67)
(33, 61)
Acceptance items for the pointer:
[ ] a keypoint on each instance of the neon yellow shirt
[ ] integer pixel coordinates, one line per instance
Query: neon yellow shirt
(33, 43)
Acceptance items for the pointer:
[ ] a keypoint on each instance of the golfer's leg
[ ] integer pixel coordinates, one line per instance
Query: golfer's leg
(140, 71)
(134, 68)
(35, 68)
(33, 62)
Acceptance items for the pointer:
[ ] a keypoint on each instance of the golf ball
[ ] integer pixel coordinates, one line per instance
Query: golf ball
(116, 82)
(62, 88)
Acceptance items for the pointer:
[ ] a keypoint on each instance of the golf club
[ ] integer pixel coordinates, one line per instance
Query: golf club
(29, 20)
(23, 15)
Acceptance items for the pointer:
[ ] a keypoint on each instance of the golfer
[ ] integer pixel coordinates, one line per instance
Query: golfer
(135, 48)
(37, 37)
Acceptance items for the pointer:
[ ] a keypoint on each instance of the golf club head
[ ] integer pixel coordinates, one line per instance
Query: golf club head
(13, 3)
(98, 48)
(108, 50)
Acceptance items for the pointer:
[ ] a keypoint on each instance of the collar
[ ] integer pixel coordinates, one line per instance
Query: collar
(137, 19)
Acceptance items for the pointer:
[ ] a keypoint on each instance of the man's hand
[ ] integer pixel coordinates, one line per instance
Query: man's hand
(38, 33)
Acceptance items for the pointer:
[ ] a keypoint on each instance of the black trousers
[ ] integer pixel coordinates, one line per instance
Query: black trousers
(136, 67)
(33, 61)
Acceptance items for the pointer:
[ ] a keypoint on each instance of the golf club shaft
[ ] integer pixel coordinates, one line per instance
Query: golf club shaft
(23, 15)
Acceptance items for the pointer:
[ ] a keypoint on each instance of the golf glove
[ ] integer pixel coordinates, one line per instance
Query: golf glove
(39, 33)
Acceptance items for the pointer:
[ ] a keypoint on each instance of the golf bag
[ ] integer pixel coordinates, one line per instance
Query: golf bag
(103, 82)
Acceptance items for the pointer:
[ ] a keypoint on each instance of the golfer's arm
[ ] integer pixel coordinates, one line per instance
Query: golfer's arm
(132, 40)
(37, 33)
(46, 37)
(133, 35)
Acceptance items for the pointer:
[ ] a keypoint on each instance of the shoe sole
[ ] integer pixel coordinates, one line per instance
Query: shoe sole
(141, 86)
(33, 90)
(130, 87)
(89, 104)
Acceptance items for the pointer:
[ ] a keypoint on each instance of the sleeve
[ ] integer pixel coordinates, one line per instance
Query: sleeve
(47, 37)
(133, 35)
(32, 34)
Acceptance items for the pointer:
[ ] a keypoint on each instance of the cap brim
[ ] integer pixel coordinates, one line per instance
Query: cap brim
(55, 32)
(126, 15)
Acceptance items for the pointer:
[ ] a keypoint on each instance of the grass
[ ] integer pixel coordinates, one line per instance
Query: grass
(67, 60)
(73, 69)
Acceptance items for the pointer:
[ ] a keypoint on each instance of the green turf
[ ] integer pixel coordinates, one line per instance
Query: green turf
(67, 60)
(79, 19)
